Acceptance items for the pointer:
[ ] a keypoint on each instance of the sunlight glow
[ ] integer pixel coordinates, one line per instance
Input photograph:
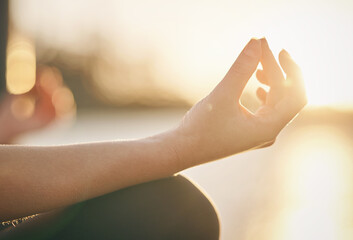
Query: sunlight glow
(191, 46)
(318, 184)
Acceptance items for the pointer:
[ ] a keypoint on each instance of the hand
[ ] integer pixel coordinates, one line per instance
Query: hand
(48, 100)
(219, 126)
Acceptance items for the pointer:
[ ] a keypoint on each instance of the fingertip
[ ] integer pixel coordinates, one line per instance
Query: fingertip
(257, 42)
(253, 48)
(259, 73)
(243, 68)
(266, 51)
(284, 54)
(261, 76)
(287, 63)
(264, 42)
(261, 91)
(284, 51)
(261, 94)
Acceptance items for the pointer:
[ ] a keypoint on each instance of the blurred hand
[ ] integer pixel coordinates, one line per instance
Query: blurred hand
(219, 126)
(48, 100)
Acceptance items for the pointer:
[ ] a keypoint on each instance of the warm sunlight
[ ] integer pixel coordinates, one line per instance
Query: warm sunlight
(326, 63)
(90, 70)
(318, 185)
(190, 45)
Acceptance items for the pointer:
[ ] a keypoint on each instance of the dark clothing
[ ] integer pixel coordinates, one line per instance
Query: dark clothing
(171, 208)
(3, 42)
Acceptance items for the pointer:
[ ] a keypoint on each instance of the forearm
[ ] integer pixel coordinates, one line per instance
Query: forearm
(38, 179)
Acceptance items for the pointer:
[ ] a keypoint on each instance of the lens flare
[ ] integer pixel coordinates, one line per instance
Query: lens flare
(63, 101)
(21, 65)
(23, 107)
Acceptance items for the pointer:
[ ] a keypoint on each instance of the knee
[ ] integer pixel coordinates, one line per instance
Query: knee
(193, 214)
(170, 208)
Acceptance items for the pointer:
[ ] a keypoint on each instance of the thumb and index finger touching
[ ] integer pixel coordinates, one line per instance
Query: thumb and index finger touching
(256, 51)
(240, 72)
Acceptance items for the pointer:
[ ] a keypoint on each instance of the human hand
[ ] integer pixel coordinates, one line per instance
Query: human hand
(219, 126)
(48, 100)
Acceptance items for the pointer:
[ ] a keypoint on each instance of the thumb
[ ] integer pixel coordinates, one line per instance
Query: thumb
(239, 74)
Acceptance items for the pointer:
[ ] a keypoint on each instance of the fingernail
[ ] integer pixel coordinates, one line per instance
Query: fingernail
(250, 49)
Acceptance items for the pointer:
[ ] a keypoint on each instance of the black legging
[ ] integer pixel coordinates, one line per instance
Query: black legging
(3, 43)
(171, 208)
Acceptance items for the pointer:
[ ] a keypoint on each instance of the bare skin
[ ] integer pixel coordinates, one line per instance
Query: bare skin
(221, 126)
(41, 179)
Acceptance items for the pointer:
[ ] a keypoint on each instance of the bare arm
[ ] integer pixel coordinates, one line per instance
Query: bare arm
(38, 179)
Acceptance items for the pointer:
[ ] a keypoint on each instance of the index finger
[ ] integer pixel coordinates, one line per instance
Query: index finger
(240, 72)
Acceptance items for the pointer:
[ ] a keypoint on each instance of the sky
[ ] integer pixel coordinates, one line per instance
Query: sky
(193, 43)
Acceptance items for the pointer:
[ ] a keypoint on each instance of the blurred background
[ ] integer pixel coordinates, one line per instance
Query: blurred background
(133, 68)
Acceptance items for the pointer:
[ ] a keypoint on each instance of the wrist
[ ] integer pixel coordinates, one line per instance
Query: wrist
(184, 147)
(175, 146)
